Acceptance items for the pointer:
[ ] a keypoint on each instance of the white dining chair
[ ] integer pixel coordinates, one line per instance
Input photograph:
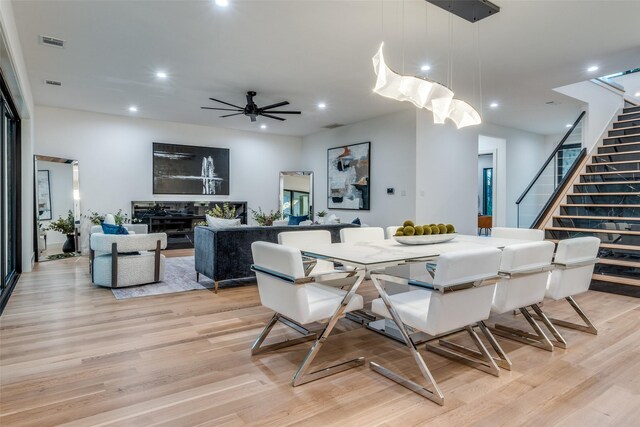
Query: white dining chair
(361, 234)
(307, 239)
(299, 299)
(456, 295)
(390, 231)
(517, 233)
(573, 267)
(524, 271)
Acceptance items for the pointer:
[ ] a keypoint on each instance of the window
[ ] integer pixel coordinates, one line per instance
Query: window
(295, 203)
(10, 200)
(565, 159)
(487, 191)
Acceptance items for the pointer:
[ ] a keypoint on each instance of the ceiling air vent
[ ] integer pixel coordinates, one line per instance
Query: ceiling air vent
(53, 83)
(333, 126)
(51, 41)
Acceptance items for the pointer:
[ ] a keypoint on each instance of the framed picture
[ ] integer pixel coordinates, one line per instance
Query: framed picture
(187, 169)
(348, 177)
(44, 195)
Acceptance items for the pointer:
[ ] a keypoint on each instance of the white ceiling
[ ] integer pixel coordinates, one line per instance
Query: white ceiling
(310, 51)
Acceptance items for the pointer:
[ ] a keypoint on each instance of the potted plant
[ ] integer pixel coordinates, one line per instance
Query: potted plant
(265, 219)
(66, 226)
(227, 211)
(321, 216)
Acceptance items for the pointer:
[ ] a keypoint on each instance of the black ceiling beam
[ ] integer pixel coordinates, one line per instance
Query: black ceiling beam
(471, 10)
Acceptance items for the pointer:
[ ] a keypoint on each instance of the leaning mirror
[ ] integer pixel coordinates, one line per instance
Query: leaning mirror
(296, 195)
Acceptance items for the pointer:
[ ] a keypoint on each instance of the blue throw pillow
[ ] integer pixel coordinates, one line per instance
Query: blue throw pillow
(296, 220)
(356, 221)
(113, 229)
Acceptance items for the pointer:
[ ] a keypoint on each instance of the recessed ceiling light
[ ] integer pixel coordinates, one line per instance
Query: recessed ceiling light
(222, 3)
(592, 68)
(568, 125)
(263, 126)
(494, 105)
(162, 75)
(425, 67)
(637, 95)
(322, 105)
(133, 109)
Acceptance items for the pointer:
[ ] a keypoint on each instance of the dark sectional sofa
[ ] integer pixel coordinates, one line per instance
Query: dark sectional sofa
(225, 254)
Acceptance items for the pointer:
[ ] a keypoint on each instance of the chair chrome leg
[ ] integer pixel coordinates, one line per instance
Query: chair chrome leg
(435, 394)
(560, 341)
(588, 327)
(539, 340)
(480, 359)
(259, 348)
(502, 360)
(301, 376)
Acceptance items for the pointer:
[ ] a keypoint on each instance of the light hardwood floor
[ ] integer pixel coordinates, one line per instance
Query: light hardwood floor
(71, 354)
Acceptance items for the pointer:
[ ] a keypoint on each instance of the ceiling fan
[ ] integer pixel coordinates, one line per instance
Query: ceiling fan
(252, 110)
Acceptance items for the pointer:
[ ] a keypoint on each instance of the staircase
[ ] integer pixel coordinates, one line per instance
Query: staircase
(604, 202)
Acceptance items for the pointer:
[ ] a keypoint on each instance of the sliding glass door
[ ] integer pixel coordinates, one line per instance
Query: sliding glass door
(10, 200)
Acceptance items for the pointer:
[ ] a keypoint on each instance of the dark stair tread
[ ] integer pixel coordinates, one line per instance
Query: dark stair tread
(602, 205)
(608, 183)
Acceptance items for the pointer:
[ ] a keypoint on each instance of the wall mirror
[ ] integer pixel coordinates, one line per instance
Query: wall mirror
(57, 197)
(296, 194)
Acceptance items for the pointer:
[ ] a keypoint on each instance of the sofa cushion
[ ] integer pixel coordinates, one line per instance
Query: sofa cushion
(113, 229)
(296, 220)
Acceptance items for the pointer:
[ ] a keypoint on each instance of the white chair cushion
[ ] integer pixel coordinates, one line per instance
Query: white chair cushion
(467, 266)
(324, 301)
(572, 281)
(100, 242)
(307, 239)
(435, 313)
(277, 258)
(390, 231)
(361, 234)
(522, 291)
(517, 233)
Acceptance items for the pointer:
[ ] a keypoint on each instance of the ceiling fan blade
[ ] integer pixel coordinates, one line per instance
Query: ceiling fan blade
(226, 103)
(253, 118)
(273, 117)
(222, 109)
(279, 104)
(284, 112)
(229, 115)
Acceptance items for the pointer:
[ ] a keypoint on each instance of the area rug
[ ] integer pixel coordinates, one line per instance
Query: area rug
(179, 276)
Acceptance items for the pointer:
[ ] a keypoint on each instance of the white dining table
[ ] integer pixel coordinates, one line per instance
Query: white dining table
(378, 255)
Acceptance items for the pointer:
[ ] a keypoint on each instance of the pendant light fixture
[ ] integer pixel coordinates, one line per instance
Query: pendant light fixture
(423, 93)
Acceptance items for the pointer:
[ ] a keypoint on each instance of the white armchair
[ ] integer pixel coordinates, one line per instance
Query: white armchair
(124, 260)
(454, 296)
(524, 271)
(574, 262)
(299, 299)
(517, 233)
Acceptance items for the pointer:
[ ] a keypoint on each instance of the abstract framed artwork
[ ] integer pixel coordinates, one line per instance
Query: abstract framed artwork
(187, 169)
(348, 177)
(44, 195)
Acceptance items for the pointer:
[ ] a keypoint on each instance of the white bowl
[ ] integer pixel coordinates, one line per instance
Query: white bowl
(425, 240)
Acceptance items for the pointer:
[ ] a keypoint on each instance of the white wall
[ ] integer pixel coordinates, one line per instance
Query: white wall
(498, 147)
(446, 174)
(61, 191)
(393, 140)
(12, 61)
(603, 104)
(115, 157)
(525, 154)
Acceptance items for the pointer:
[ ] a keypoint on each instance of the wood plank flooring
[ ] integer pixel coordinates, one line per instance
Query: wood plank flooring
(71, 354)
